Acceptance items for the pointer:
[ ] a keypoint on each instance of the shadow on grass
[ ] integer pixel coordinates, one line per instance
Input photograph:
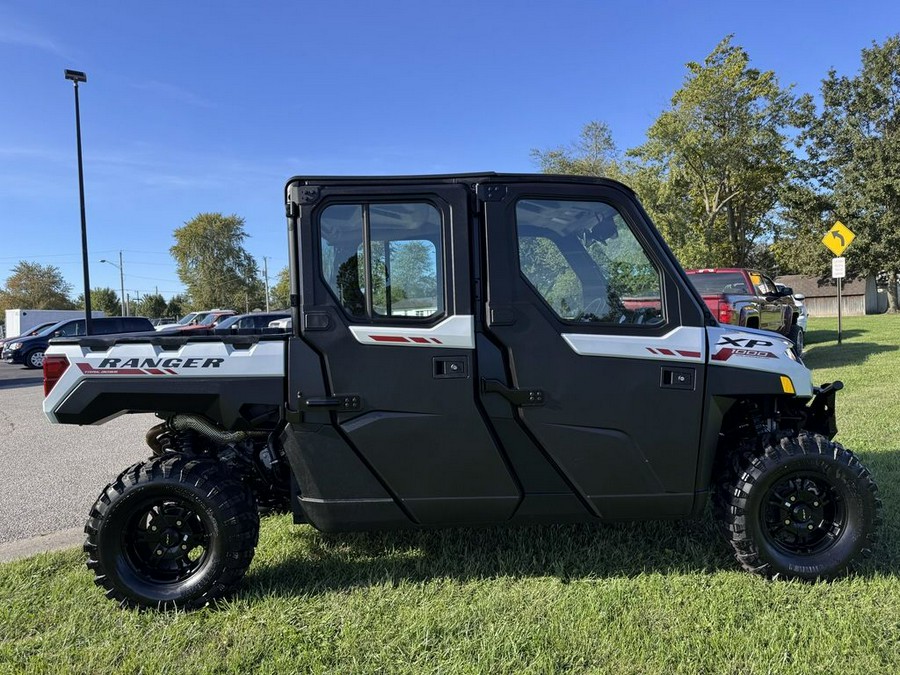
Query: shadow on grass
(318, 562)
(846, 354)
(327, 562)
(812, 337)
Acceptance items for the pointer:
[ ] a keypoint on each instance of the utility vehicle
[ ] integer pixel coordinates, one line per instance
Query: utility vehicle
(465, 349)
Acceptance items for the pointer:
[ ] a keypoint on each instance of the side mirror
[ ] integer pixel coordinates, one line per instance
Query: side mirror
(799, 296)
(57, 333)
(786, 291)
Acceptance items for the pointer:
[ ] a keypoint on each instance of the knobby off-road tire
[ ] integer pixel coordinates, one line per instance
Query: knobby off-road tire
(803, 507)
(171, 532)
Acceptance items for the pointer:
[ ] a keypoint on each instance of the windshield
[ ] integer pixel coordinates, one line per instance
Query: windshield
(187, 318)
(708, 283)
(228, 321)
(51, 328)
(210, 319)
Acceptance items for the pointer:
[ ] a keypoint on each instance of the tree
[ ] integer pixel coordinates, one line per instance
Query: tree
(280, 293)
(853, 149)
(593, 154)
(177, 306)
(36, 286)
(722, 158)
(104, 300)
(152, 305)
(213, 264)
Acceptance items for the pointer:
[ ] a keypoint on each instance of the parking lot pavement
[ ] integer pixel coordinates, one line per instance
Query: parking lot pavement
(50, 474)
(18, 376)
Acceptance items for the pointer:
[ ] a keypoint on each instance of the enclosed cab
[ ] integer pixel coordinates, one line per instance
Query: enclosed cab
(465, 349)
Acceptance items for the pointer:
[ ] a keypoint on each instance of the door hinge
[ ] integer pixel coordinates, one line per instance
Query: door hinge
(488, 192)
(520, 397)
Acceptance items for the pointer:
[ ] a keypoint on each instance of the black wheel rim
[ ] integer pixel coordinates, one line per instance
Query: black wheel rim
(166, 541)
(803, 514)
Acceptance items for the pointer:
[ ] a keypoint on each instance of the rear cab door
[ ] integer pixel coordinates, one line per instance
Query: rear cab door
(604, 347)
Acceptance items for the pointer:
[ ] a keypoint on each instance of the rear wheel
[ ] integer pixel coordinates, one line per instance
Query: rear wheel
(34, 359)
(804, 508)
(171, 532)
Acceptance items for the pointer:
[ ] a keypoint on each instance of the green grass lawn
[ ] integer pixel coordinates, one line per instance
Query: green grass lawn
(623, 598)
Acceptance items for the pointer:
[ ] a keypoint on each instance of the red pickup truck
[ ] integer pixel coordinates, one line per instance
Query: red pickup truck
(746, 297)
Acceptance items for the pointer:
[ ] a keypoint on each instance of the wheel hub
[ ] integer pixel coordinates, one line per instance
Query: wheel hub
(803, 514)
(169, 542)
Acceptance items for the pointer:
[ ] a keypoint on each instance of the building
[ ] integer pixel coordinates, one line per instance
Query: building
(859, 296)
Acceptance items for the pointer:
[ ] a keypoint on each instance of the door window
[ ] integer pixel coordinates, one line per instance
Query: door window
(384, 260)
(583, 259)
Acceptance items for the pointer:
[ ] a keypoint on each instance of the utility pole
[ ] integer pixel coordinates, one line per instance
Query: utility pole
(122, 282)
(266, 274)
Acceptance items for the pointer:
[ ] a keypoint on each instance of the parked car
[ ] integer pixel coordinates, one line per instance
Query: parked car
(30, 351)
(282, 324)
(747, 297)
(162, 321)
(186, 320)
(257, 323)
(799, 303)
(209, 321)
(34, 331)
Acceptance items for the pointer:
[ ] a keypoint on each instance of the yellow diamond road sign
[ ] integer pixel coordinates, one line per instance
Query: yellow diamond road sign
(838, 238)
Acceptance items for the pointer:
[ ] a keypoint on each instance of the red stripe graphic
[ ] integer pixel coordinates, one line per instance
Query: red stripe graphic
(667, 352)
(420, 340)
(389, 338)
(692, 355)
(436, 341)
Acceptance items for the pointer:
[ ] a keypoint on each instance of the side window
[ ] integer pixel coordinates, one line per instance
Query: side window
(583, 259)
(71, 329)
(107, 326)
(384, 260)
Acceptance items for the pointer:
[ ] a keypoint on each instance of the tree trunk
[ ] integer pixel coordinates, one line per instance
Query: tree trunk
(892, 293)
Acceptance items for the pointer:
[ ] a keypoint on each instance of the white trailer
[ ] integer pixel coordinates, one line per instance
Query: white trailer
(20, 321)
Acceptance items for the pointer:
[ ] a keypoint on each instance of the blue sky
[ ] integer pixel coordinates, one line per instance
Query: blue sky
(199, 106)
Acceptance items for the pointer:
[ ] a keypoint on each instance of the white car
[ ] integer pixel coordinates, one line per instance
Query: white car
(283, 324)
(798, 299)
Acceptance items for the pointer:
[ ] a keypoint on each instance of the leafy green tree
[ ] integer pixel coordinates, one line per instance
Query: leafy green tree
(152, 305)
(177, 306)
(593, 154)
(36, 286)
(280, 293)
(853, 149)
(721, 156)
(213, 264)
(104, 300)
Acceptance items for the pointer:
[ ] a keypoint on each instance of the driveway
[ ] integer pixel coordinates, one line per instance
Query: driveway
(50, 474)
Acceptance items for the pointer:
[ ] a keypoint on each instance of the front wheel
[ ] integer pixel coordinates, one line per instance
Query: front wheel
(796, 336)
(803, 508)
(34, 359)
(171, 532)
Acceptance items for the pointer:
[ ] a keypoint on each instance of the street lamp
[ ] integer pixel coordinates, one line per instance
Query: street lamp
(77, 76)
(121, 268)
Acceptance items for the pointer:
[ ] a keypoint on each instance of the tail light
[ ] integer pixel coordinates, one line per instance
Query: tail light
(54, 367)
(726, 311)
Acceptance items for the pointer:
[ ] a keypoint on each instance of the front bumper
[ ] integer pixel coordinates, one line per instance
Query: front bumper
(12, 356)
(820, 417)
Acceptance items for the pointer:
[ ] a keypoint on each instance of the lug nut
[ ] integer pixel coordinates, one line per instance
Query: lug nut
(815, 503)
(184, 547)
(810, 527)
(787, 522)
(159, 553)
(793, 498)
(153, 528)
(178, 523)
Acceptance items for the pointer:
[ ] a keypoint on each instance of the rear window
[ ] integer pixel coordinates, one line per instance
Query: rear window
(711, 283)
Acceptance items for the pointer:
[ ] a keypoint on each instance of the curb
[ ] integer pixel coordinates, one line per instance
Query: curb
(45, 543)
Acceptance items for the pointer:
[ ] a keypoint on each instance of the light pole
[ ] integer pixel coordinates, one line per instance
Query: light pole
(121, 267)
(77, 76)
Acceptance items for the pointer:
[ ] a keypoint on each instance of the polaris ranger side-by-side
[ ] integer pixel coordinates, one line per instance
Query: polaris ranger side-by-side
(465, 349)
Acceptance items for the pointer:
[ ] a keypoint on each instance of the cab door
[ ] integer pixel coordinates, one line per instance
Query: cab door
(604, 347)
(386, 304)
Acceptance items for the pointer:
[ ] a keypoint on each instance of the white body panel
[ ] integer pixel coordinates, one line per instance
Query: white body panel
(145, 360)
(455, 332)
(680, 344)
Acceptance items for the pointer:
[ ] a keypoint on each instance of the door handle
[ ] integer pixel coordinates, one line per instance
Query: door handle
(520, 397)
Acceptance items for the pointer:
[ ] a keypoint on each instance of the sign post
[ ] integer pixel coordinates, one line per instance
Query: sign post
(837, 239)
